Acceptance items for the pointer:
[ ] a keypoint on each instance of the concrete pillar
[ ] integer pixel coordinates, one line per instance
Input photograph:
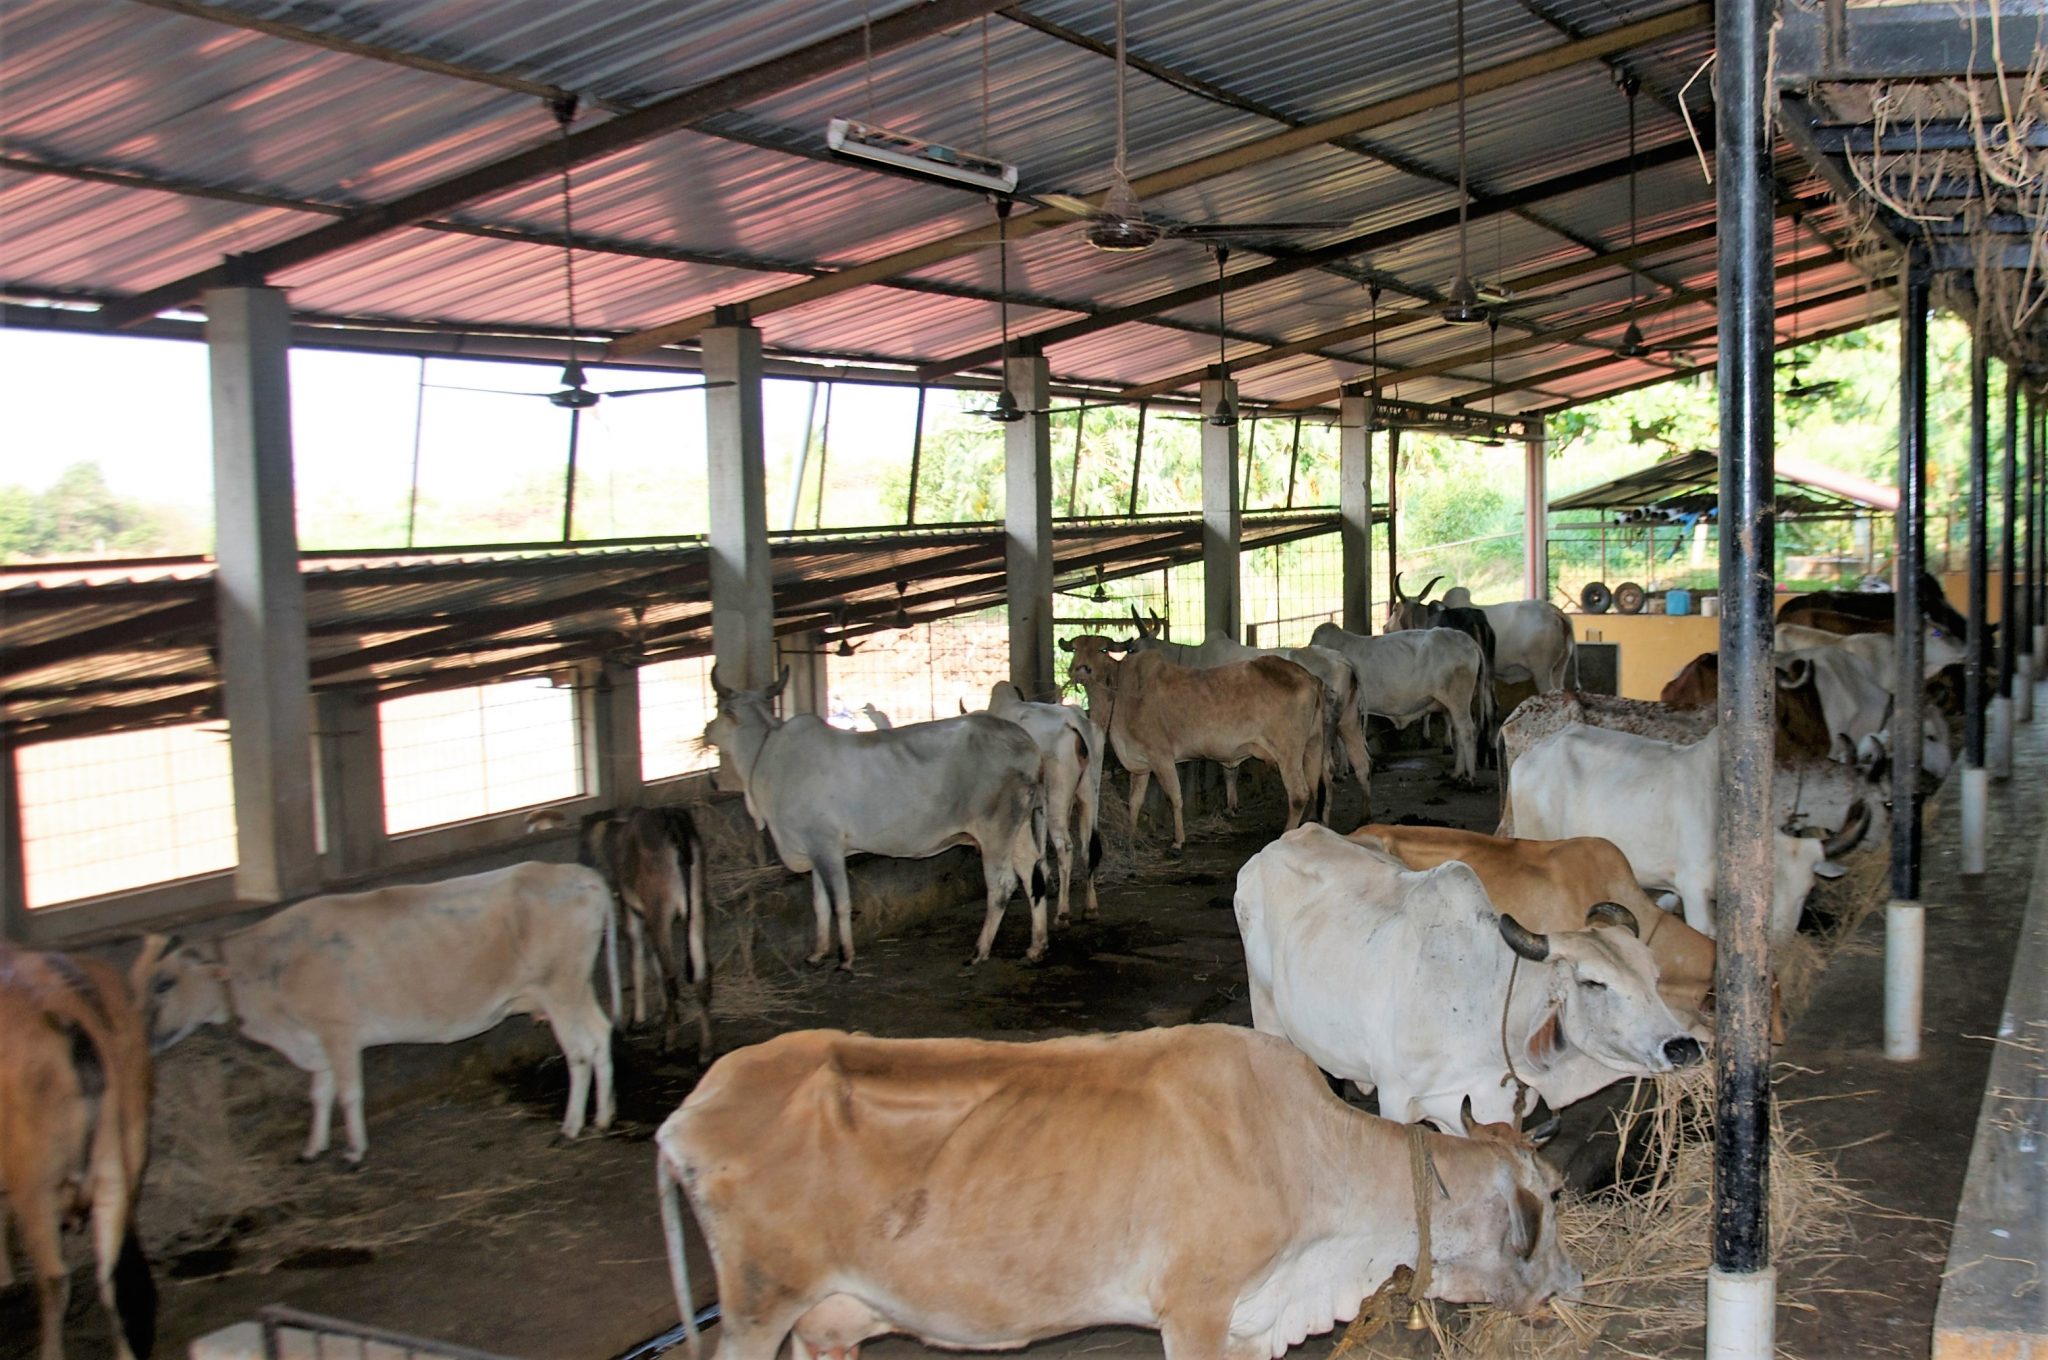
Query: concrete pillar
(1393, 507)
(264, 682)
(1222, 515)
(350, 773)
(13, 876)
(742, 589)
(1535, 517)
(809, 684)
(1027, 527)
(608, 716)
(1354, 508)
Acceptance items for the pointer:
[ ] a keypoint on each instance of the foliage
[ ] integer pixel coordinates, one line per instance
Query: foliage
(78, 515)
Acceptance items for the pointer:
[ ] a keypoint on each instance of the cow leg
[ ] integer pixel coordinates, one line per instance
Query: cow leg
(997, 878)
(1090, 841)
(834, 869)
(636, 935)
(700, 966)
(1169, 784)
(347, 1059)
(43, 1247)
(1464, 742)
(821, 906)
(1698, 905)
(662, 927)
(1229, 791)
(1063, 856)
(1141, 780)
(585, 1039)
(110, 1229)
(1199, 1331)
(1263, 1018)
(6, 1261)
(323, 1113)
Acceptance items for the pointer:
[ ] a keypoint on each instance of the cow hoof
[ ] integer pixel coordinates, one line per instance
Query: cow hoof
(1175, 852)
(308, 1158)
(1061, 921)
(1035, 959)
(843, 973)
(817, 960)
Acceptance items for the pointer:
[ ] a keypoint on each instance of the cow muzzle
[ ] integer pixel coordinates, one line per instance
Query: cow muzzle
(1684, 1051)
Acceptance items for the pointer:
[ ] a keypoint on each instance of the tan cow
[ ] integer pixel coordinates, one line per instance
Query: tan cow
(420, 963)
(1206, 1183)
(1549, 885)
(1157, 713)
(75, 1082)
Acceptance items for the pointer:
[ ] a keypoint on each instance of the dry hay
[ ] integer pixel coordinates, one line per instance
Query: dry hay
(1644, 1245)
(223, 1115)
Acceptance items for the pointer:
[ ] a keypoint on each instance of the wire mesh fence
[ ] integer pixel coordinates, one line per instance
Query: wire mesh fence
(106, 814)
(676, 703)
(464, 753)
(1287, 590)
(920, 673)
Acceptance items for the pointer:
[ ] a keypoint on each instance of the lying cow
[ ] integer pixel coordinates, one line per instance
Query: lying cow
(1157, 713)
(1208, 1184)
(653, 859)
(1072, 749)
(421, 963)
(1412, 983)
(1343, 731)
(1660, 802)
(1801, 725)
(911, 792)
(1405, 676)
(75, 1084)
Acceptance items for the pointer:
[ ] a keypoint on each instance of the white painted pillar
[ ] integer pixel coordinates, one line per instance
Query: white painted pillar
(1027, 528)
(742, 588)
(809, 685)
(13, 876)
(1354, 508)
(266, 690)
(350, 769)
(1535, 517)
(1222, 520)
(608, 716)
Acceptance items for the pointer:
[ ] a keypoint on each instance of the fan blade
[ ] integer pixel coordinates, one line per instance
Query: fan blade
(644, 391)
(1198, 230)
(488, 391)
(1067, 203)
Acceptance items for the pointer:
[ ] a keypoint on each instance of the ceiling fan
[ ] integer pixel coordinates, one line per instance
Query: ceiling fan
(1632, 345)
(1008, 410)
(1121, 225)
(575, 395)
(1463, 302)
(1225, 414)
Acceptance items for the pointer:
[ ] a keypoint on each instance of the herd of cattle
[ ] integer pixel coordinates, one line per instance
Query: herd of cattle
(1222, 1194)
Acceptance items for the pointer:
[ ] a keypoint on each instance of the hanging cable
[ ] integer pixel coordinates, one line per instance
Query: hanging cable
(1464, 198)
(565, 114)
(867, 54)
(984, 88)
(1122, 56)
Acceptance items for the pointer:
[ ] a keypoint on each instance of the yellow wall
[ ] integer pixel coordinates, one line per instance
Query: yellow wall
(1956, 585)
(1654, 647)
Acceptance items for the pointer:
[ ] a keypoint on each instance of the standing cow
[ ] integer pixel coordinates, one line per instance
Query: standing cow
(419, 963)
(75, 1086)
(1412, 983)
(1532, 639)
(1206, 1183)
(1072, 748)
(911, 792)
(1157, 713)
(1406, 612)
(653, 858)
(1405, 676)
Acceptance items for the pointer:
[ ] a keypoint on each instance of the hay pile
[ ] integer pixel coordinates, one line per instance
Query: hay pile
(226, 1120)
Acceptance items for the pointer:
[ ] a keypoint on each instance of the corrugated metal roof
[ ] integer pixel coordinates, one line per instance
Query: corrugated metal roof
(110, 84)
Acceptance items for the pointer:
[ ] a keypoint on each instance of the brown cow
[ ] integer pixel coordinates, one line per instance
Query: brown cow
(653, 858)
(1206, 1183)
(75, 1085)
(1802, 725)
(1157, 713)
(1800, 614)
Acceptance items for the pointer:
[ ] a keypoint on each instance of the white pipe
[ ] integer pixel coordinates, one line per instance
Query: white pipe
(1976, 806)
(1741, 1314)
(1905, 944)
(2023, 688)
(1999, 750)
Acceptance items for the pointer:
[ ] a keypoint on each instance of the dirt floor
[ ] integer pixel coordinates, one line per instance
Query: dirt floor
(471, 1223)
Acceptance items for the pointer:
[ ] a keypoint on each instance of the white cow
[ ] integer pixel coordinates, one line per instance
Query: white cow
(1413, 984)
(1938, 651)
(421, 963)
(911, 792)
(1532, 639)
(1072, 748)
(1405, 676)
(1660, 802)
(1343, 732)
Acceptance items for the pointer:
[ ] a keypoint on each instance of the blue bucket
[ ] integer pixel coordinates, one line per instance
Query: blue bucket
(1678, 602)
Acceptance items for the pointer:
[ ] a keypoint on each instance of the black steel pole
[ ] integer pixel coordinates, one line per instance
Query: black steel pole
(2008, 556)
(1910, 553)
(1973, 670)
(1745, 206)
(2033, 502)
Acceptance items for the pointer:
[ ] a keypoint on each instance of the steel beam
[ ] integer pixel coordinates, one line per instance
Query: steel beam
(1256, 152)
(1976, 792)
(675, 112)
(1910, 557)
(2008, 586)
(1741, 1284)
(1836, 42)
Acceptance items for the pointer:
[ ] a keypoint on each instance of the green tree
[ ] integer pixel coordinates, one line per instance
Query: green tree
(77, 515)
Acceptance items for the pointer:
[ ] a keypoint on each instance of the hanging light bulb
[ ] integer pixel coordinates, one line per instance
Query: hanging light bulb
(1632, 346)
(1461, 306)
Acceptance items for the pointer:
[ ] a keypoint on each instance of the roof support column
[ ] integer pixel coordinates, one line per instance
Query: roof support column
(1976, 785)
(1354, 507)
(608, 711)
(13, 876)
(1027, 526)
(351, 773)
(809, 681)
(1742, 1286)
(2030, 670)
(1222, 515)
(1536, 515)
(742, 588)
(264, 680)
(1905, 919)
(2008, 585)
(1393, 512)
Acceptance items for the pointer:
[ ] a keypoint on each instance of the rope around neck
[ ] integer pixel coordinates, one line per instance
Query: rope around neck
(1507, 1054)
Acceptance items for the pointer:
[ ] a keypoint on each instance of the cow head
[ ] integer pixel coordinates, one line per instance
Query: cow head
(183, 991)
(1409, 611)
(1505, 1250)
(739, 710)
(1600, 989)
(1094, 662)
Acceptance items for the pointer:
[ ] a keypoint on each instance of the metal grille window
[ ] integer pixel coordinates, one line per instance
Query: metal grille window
(1289, 590)
(676, 703)
(464, 753)
(107, 814)
(922, 672)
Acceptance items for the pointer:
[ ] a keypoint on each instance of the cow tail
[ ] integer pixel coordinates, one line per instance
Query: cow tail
(670, 1194)
(613, 908)
(134, 1288)
(1090, 805)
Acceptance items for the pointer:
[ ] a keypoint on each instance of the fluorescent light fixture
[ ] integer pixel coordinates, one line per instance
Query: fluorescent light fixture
(864, 141)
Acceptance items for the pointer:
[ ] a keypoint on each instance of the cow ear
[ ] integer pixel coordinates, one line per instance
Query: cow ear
(1827, 868)
(154, 947)
(1525, 1225)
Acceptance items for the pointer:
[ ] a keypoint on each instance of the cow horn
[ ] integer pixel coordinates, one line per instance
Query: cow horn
(1851, 834)
(1795, 674)
(1545, 1131)
(1465, 1117)
(1524, 941)
(1137, 618)
(781, 681)
(719, 687)
(1614, 914)
(1431, 586)
(1398, 596)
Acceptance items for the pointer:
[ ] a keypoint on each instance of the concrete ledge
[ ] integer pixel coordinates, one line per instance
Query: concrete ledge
(1994, 1301)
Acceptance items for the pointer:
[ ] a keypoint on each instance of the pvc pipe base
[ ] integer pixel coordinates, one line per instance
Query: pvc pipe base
(1998, 738)
(1976, 808)
(2023, 690)
(2041, 650)
(1742, 1314)
(1905, 945)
